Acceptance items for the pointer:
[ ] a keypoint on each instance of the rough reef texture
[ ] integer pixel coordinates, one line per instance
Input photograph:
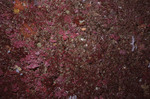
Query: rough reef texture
(75, 49)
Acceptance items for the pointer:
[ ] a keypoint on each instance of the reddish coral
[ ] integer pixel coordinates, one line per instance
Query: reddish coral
(95, 49)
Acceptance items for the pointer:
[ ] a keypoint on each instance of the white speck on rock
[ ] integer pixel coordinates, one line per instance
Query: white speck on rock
(102, 38)
(132, 43)
(149, 65)
(81, 21)
(17, 70)
(82, 39)
(8, 51)
(99, 3)
(96, 88)
(120, 7)
(86, 45)
(140, 80)
(37, 53)
(73, 97)
(21, 74)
